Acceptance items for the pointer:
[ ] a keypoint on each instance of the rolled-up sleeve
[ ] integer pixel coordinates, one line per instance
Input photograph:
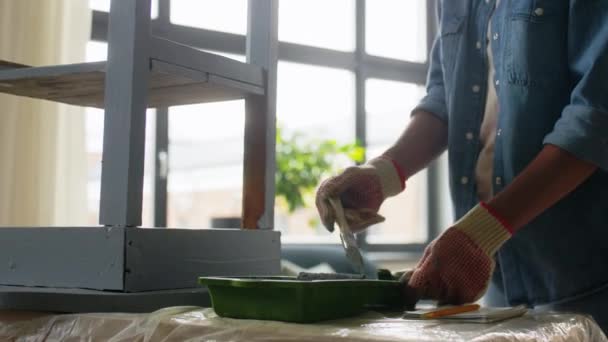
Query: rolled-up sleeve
(582, 128)
(434, 101)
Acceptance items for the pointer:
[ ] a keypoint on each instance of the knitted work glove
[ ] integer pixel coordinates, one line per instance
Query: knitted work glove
(457, 266)
(361, 189)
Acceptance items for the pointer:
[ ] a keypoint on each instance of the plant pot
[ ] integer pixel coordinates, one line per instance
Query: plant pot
(227, 222)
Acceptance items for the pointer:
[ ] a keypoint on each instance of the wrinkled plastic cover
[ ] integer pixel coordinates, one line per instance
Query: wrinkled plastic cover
(198, 324)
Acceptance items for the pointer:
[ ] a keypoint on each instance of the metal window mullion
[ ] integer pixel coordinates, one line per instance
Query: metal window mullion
(360, 115)
(161, 150)
(373, 66)
(164, 13)
(400, 72)
(360, 77)
(161, 167)
(434, 174)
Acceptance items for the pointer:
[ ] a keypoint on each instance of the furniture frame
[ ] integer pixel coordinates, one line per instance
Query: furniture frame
(119, 263)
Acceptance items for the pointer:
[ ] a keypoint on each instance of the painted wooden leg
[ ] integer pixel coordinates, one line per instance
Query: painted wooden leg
(125, 113)
(260, 123)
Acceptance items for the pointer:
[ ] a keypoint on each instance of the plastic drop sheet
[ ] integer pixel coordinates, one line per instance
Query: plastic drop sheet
(197, 324)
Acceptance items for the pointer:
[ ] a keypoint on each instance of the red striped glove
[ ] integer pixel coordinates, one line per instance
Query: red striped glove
(457, 266)
(361, 189)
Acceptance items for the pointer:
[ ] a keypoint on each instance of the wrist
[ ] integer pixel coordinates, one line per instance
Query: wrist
(485, 228)
(399, 169)
(498, 217)
(391, 175)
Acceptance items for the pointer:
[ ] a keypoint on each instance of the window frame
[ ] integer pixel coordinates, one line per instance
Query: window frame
(362, 64)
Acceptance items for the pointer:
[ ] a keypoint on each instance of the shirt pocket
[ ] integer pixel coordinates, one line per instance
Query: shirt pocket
(536, 51)
(450, 37)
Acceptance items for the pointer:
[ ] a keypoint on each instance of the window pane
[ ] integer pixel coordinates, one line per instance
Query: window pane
(396, 29)
(104, 6)
(322, 23)
(317, 103)
(388, 105)
(316, 100)
(94, 147)
(225, 15)
(406, 213)
(205, 163)
(96, 51)
(446, 217)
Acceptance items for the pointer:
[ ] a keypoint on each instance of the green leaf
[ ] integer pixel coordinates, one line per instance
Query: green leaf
(302, 162)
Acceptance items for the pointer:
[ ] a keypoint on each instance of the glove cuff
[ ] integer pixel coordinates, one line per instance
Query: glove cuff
(392, 178)
(484, 228)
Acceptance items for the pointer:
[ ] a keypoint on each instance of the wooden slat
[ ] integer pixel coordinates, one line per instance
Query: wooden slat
(83, 84)
(259, 163)
(41, 299)
(189, 57)
(85, 257)
(10, 65)
(132, 259)
(186, 254)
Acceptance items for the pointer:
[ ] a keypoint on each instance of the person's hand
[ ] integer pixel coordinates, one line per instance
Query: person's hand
(361, 189)
(457, 266)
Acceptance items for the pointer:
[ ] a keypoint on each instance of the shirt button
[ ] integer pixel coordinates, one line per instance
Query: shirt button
(497, 82)
(478, 45)
(498, 132)
(464, 180)
(498, 181)
(469, 136)
(476, 88)
(539, 11)
(495, 37)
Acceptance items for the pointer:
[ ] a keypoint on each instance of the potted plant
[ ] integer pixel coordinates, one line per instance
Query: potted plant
(302, 162)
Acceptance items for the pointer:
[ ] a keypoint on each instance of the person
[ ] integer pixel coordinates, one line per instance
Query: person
(517, 91)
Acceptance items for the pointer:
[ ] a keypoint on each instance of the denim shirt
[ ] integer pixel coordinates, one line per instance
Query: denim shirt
(551, 62)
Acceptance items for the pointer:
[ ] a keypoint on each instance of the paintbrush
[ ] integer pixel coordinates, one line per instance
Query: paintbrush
(348, 237)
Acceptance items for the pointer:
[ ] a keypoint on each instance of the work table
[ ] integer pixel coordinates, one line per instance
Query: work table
(202, 324)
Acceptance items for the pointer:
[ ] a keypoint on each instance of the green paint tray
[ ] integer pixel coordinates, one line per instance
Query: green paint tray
(303, 301)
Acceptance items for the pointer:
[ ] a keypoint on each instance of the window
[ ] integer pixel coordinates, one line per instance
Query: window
(225, 15)
(205, 163)
(104, 6)
(388, 105)
(396, 29)
(320, 23)
(328, 88)
(318, 103)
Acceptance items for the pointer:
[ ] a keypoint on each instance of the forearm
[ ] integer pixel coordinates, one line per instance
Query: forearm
(423, 140)
(552, 175)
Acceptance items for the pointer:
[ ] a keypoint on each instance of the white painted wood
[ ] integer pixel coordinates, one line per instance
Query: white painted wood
(132, 259)
(189, 57)
(84, 84)
(124, 138)
(175, 258)
(81, 301)
(260, 138)
(62, 257)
